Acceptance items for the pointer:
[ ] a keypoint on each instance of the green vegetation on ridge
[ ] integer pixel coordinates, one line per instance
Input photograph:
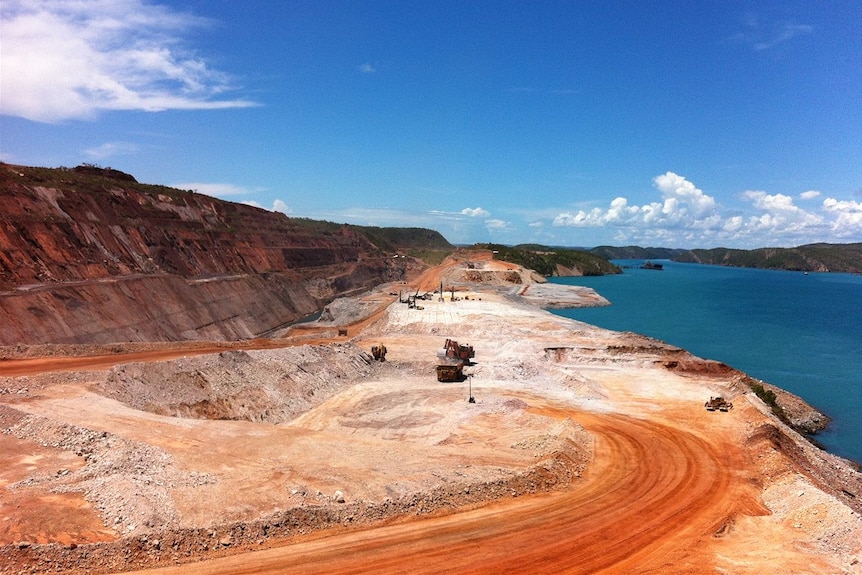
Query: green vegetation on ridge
(553, 261)
(420, 243)
(822, 257)
(811, 257)
(424, 244)
(636, 253)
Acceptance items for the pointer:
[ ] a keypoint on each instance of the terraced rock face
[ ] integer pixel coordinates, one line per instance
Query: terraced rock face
(96, 258)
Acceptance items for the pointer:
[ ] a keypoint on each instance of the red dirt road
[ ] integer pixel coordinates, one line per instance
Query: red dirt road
(651, 502)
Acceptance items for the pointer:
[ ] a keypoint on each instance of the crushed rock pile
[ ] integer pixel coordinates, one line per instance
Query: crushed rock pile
(272, 386)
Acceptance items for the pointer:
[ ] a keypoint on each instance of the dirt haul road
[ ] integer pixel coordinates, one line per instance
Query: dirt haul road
(586, 451)
(652, 501)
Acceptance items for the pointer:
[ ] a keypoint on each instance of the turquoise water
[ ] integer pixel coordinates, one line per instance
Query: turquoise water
(800, 332)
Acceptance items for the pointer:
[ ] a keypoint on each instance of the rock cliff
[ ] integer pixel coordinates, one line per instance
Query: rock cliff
(92, 256)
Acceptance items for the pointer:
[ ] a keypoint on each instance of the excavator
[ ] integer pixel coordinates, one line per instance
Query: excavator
(451, 360)
(452, 350)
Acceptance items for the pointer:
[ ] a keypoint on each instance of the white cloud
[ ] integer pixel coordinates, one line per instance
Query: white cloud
(781, 214)
(111, 149)
(785, 33)
(848, 217)
(677, 188)
(764, 34)
(209, 189)
(66, 60)
(683, 205)
(761, 219)
(733, 224)
(497, 224)
(842, 206)
(277, 206)
(367, 68)
(365, 216)
(280, 206)
(592, 218)
(765, 201)
(475, 212)
(687, 216)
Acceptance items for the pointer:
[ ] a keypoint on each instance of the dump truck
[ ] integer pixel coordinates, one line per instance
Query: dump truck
(450, 372)
(718, 404)
(378, 352)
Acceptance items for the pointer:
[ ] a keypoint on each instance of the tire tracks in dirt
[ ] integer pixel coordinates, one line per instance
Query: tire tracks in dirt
(651, 498)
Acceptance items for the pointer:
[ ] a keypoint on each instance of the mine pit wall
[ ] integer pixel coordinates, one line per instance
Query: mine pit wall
(168, 307)
(91, 257)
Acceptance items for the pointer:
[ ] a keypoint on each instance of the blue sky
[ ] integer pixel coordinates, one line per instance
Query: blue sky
(580, 123)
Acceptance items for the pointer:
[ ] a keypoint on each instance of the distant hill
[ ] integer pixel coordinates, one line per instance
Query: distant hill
(636, 253)
(811, 257)
(553, 261)
(423, 244)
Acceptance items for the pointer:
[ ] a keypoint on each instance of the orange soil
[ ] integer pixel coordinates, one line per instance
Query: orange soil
(657, 498)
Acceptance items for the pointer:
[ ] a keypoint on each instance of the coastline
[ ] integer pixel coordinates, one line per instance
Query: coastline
(771, 325)
(740, 490)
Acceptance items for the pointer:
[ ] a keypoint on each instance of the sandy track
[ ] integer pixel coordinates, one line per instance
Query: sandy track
(653, 496)
(300, 335)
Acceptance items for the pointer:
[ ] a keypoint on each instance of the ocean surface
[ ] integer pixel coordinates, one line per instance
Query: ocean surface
(800, 332)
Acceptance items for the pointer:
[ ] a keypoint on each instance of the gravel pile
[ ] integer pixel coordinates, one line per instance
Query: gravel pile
(272, 386)
(128, 482)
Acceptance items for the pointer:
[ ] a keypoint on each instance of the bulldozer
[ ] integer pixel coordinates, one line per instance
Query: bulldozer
(718, 404)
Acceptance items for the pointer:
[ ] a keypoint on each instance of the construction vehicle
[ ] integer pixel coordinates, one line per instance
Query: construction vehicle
(718, 404)
(378, 352)
(412, 300)
(452, 350)
(451, 360)
(450, 372)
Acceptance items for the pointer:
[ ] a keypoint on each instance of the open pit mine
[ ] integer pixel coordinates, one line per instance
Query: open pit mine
(160, 412)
